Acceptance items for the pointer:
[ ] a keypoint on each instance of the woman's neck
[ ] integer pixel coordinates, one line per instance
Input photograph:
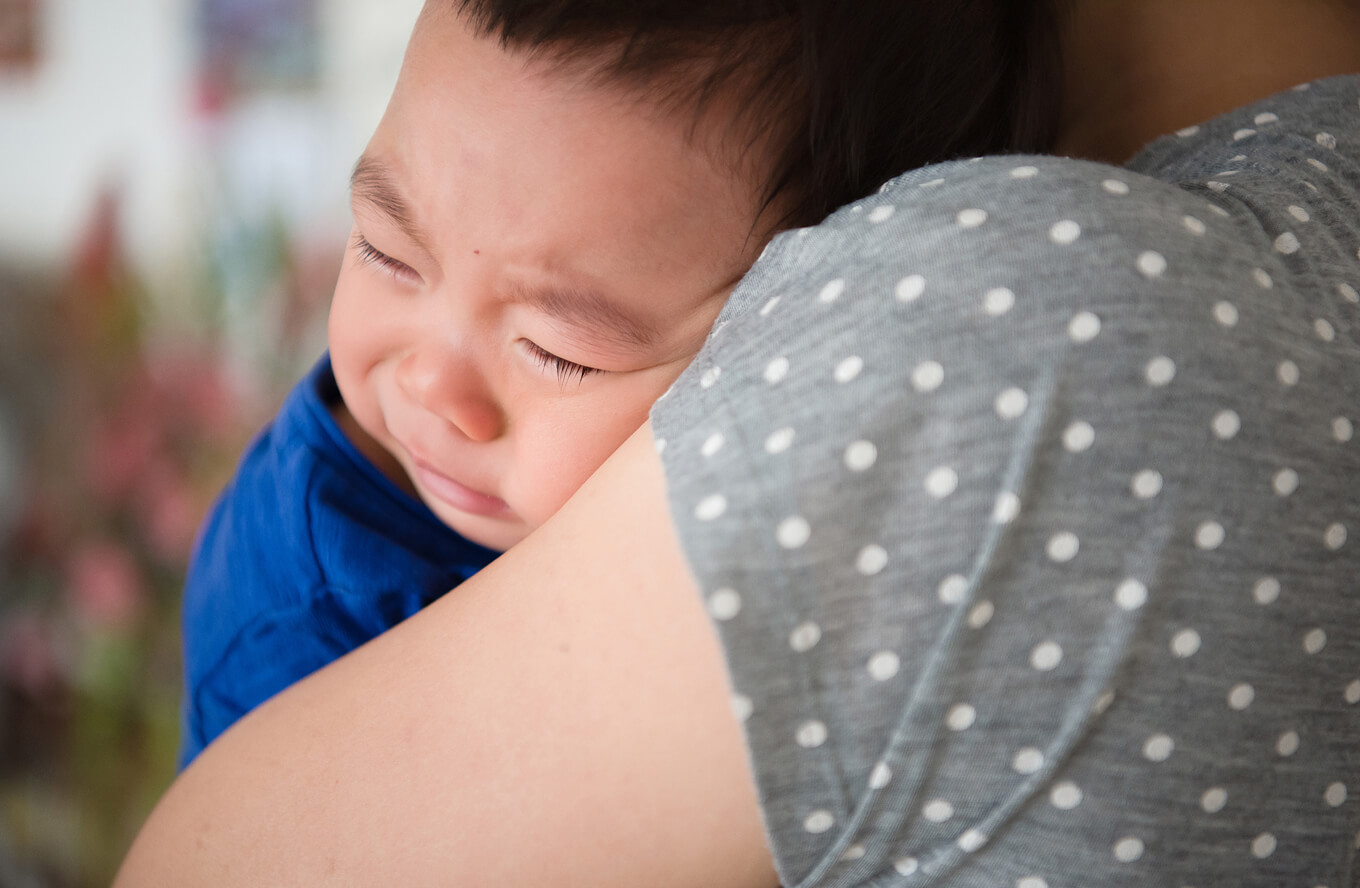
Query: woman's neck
(1138, 69)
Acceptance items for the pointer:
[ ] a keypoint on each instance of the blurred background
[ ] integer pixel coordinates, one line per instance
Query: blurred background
(173, 206)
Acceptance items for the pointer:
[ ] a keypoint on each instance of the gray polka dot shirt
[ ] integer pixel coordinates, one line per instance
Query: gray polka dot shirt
(1025, 498)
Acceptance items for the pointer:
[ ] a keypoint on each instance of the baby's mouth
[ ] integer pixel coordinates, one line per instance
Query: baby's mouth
(460, 496)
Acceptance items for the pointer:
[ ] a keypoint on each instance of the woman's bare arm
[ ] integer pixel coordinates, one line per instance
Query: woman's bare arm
(561, 719)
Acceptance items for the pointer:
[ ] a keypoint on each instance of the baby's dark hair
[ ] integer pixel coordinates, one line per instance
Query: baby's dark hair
(842, 94)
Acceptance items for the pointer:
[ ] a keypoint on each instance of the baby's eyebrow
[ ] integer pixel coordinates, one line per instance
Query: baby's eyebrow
(592, 311)
(372, 183)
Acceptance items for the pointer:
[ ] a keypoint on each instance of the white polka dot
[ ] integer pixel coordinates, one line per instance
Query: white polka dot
(776, 370)
(998, 301)
(1193, 225)
(1031, 882)
(1011, 403)
(883, 665)
(724, 604)
(961, 717)
(881, 776)
(1209, 535)
(1352, 693)
(1287, 373)
(1103, 702)
(1213, 800)
(937, 811)
(1348, 293)
(1146, 484)
(832, 290)
(1335, 536)
(1027, 760)
(742, 707)
(819, 822)
(1116, 187)
(1024, 172)
(1243, 133)
(941, 482)
(871, 560)
(1046, 656)
(1217, 187)
(1266, 590)
(1065, 796)
(1227, 424)
(910, 288)
(1263, 846)
(1128, 849)
(1187, 132)
(1335, 795)
(1226, 314)
(861, 456)
(928, 376)
(849, 368)
(710, 377)
(1158, 748)
(713, 444)
(1062, 547)
(1285, 482)
(1219, 211)
(1326, 140)
(711, 507)
(805, 636)
(793, 532)
(952, 589)
(854, 852)
(1265, 117)
(1006, 509)
(1152, 264)
(981, 614)
(1342, 429)
(972, 218)
(882, 214)
(1160, 371)
(1287, 243)
(905, 866)
(1064, 232)
(811, 734)
(1241, 696)
(933, 183)
(769, 307)
(1185, 643)
(1287, 744)
(1131, 595)
(1262, 278)
(1078, 437)
(1299, 213)
(779, 441)
(1084, 327)
(1314, 641)
(660, 446)
(1324, 330)
(971, 840)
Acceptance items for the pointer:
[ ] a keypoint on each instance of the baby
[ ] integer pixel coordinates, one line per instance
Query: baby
(547, 221)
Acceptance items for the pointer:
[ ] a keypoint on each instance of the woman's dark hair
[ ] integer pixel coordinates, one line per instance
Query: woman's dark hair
(843, 94)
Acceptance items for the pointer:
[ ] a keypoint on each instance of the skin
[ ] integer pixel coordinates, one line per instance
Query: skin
(495, 192)
(578, 732)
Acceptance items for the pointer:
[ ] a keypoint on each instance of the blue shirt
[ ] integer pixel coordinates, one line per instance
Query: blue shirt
(308, 553)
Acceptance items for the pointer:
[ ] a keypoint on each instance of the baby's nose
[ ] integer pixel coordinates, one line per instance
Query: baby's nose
(447, 384)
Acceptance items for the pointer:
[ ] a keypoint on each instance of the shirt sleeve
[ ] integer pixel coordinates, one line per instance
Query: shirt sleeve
(981, 482)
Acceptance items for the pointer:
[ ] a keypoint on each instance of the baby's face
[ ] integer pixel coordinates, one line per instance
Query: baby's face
(534, 260)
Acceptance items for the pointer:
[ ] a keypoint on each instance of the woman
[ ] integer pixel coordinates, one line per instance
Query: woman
(1021, 497)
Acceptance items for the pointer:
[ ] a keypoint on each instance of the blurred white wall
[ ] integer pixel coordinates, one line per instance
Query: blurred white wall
(112, 100)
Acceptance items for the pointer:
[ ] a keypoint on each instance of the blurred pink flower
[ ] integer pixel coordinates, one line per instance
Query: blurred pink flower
(104, 585)
(117, 454)
(169, 514)
(28, 656)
